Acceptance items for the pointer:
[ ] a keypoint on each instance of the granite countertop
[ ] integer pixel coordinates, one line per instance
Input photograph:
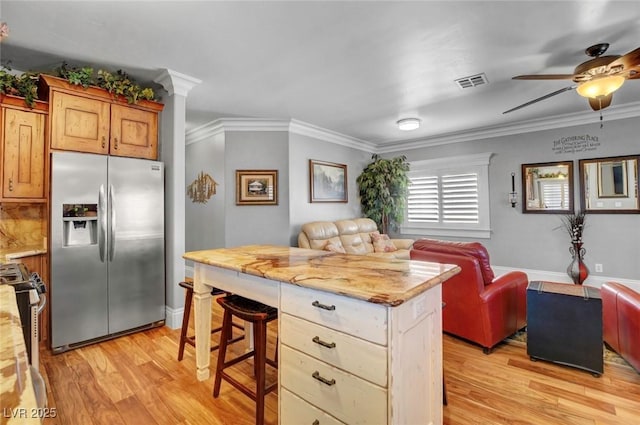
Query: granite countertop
(374, 279)
(16, 388)
(8, 254)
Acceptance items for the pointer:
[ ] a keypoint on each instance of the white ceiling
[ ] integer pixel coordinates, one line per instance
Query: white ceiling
(352, 67)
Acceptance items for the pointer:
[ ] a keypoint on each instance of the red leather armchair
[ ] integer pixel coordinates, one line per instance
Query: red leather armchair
(479, 306)
(621, 321)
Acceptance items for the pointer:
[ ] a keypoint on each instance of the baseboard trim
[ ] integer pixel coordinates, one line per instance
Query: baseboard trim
(592, 280)
(173, 317)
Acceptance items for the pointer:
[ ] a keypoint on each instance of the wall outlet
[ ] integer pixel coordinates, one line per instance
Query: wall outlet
(598, 268)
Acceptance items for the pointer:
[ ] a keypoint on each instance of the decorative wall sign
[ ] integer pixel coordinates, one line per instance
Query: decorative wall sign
(327, 181)
(576, 144)
(202, 188)
(256, 187)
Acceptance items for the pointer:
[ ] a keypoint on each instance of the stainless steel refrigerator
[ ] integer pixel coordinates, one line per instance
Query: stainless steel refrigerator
(107, 247)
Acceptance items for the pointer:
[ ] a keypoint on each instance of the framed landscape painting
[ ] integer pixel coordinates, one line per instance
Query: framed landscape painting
(327, 181)
(256, 187)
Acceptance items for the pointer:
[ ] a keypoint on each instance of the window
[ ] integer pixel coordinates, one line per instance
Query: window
(449, 200)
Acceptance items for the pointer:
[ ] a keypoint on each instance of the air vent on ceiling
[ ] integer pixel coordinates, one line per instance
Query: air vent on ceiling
(472, 81)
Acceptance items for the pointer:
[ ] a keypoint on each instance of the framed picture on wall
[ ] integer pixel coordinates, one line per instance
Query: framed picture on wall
(547, 187)
(327, 181)
(256, 187)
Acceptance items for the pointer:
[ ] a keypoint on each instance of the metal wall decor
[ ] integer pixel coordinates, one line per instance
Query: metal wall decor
(202, 188)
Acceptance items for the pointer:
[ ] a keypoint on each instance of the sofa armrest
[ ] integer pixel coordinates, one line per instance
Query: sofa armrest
(403, 243)
(303, 241)
(513, 286)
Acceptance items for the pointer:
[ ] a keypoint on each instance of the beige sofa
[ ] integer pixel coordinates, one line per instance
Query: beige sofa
(356, 236)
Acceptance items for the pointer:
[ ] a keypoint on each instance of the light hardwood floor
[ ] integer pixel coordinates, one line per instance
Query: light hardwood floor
(137, 380)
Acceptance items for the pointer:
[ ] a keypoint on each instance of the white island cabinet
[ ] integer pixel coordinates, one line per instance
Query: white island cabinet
(359, 337)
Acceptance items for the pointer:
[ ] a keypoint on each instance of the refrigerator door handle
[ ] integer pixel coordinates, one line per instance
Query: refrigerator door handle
(112, 229)
(102, 223)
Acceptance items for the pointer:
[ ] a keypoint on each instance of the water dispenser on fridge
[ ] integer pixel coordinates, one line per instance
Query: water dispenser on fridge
(80, 224)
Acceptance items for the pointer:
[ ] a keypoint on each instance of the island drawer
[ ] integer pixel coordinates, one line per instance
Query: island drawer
(354, 355)
(294, 410)
(349, 315)
(339, 393)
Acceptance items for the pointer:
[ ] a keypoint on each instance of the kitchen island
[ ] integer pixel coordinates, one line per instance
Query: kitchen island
(360, 337)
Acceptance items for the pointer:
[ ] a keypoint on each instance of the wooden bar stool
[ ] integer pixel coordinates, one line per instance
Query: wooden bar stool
(190, 339)
(258, 315)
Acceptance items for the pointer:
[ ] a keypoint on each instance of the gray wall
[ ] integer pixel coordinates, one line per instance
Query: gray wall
(257, 224)
(301, 150)
(205, 223)
(529, 240)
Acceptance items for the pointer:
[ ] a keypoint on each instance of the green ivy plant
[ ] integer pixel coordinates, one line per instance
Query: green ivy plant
(24, 85)
(118, 83)
(383, 187)
(77, 76)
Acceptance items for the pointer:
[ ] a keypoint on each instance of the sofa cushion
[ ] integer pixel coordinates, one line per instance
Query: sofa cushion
(382, 243)
(354, 235)
(335, 246)
(474, 249)
(319, 232)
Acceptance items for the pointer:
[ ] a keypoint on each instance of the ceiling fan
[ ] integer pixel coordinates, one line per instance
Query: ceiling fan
(596, 79)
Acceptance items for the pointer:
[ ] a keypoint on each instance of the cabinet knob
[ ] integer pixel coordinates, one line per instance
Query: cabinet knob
(316, 422)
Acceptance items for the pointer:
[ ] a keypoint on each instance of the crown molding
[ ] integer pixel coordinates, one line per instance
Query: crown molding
(310, 130)
(223, 125)
(176, 83)
(613, 113)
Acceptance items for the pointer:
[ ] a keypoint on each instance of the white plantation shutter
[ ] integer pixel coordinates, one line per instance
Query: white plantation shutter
(460, 198)
(555, 193)
(449, 197)
(423, 205)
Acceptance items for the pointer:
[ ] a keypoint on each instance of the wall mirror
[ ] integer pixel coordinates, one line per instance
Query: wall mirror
(610, 185)
(547, 187)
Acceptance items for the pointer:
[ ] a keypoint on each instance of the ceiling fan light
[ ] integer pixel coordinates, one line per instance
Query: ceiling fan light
(601, 86)
(408, 124)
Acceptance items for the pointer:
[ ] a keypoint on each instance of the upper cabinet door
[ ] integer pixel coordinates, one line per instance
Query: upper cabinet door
(23, 154)
(79, 123)
(134, 132)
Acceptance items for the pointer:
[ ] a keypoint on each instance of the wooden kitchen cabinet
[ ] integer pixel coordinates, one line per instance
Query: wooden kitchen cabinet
(93, 121)
(24, 150)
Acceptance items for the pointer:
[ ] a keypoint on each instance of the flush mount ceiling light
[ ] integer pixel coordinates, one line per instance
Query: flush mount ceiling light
(408, 124)
(600, 86)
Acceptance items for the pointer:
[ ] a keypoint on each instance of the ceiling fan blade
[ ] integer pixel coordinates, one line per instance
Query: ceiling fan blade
(598, 103)
(544, 77)
(546, 96)
(629, 61)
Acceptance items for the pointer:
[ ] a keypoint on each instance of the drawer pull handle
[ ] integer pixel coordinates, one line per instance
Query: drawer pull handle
(104, 142)
(116, 140)
(323, 306)
(317, 340)
(316, 422)
(10, 184)
(316, 375)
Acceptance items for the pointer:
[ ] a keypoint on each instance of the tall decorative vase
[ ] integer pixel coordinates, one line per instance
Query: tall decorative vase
(577, 270)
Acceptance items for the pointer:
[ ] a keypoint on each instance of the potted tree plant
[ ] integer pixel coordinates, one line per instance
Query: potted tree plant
(383, 187)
